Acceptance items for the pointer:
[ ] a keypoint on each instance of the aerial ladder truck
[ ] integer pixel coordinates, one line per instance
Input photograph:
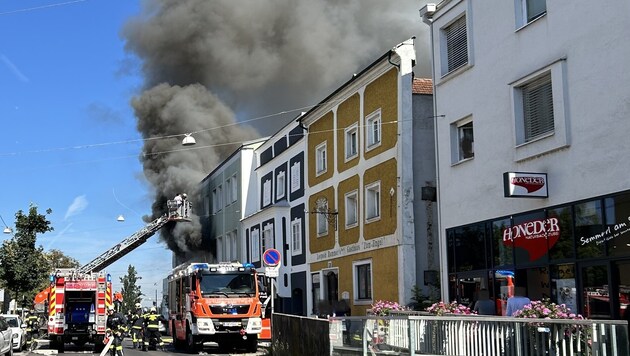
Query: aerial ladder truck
(78, 298)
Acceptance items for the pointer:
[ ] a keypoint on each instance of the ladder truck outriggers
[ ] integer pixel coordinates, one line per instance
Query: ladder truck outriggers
(78, 298)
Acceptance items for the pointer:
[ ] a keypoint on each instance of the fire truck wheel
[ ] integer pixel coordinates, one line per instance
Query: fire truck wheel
(251, 344)
(190, 341)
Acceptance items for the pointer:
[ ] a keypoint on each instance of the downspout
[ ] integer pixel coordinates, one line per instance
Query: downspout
(427, 18)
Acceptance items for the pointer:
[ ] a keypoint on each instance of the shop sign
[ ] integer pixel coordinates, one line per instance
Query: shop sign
(525, 185)
(536, 236)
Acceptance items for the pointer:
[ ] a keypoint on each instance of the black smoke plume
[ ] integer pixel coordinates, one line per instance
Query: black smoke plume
(206, 63)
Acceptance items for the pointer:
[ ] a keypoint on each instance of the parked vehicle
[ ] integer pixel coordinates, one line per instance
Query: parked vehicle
(6, 348)
(19, 333)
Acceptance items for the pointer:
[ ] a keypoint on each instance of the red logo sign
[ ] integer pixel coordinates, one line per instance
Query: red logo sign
(536, 237)
(532, 184)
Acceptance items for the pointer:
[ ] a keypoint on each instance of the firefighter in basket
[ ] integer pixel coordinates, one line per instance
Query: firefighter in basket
(152, 333)
(115, 326)
(137, 326)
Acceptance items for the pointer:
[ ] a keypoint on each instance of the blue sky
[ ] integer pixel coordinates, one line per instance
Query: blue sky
(69, 135)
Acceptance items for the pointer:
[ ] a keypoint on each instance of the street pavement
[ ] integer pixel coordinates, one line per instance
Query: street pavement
(209, 349)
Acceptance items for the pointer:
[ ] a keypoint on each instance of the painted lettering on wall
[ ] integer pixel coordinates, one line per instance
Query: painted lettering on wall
(609, 233)
(362, 246)
(535, 236)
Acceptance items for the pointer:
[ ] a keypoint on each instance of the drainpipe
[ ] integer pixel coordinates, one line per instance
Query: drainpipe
(426, 13)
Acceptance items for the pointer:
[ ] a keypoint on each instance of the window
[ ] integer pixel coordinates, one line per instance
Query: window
(255, 241)
(219, 197)
(537, 107)
(296, 171)
(296, 236)
(373, 201)
(322, 222)
(362, 271)
(267, 241)
(352, 141)
(231, 190)
(267, 192)
(351, 208)
(463, 141)
(280, 185)
(373, 127)
(231, 254)
(207, 208)
(540, 117)
(456, 40)
(529, 10)
(220, 248)
(215, 201)
(320, 159)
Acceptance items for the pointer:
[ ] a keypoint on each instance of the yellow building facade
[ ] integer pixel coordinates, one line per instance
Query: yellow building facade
(360, 228)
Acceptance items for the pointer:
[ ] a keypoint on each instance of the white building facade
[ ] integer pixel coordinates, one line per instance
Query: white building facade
(532, 109)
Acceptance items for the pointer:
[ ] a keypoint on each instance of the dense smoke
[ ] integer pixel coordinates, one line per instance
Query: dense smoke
(200, 58)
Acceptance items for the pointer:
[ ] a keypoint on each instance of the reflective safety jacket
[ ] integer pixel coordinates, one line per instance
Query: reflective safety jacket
(153, 320)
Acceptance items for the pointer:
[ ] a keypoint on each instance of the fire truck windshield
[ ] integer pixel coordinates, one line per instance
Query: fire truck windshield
(227, 283)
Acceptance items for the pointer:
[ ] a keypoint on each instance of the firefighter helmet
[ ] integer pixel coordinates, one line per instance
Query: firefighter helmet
(138, 305)
(153, 310)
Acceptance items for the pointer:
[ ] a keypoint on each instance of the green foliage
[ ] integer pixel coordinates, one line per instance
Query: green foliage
(130, 290)
(420, 300)
(23, 264)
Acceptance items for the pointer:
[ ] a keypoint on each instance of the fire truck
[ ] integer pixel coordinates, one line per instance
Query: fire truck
(78, 298)
(215, 303)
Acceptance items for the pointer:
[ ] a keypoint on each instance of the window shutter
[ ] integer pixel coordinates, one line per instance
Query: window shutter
(538, 107)
(457, 44)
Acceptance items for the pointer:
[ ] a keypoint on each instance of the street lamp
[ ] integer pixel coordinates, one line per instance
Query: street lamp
(188, 140)
(7, 229)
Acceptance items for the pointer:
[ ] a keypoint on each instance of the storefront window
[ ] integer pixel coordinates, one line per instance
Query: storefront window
(502, 247)
(596, 293)
(618, 223)
(530, 233)
(563, 246)
(450, 251)
(563, 289)
(590, 233)
(470, 251)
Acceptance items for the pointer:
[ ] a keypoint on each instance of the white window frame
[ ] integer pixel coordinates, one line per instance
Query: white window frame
(281, 185)
(254, 240)
(233, 188)
(355, 282)
(296, 237)
(296, 174)
(523, 17)
(215, 201)
(373, 130)
(457, 133)
(353, 195)
(351, 135)
(220, 248)
(321, 159)
(220, 197)
(267, 237)
(451, 37)
(267, 192)
(322, 222)
(373, 199)
(557, 139)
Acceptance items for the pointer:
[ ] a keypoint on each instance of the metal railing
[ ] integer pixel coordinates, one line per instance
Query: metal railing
(476, 335)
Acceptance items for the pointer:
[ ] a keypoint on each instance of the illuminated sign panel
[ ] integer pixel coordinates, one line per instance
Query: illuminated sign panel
(525, 185)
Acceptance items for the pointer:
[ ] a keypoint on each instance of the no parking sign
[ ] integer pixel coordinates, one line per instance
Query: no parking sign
(271, 260)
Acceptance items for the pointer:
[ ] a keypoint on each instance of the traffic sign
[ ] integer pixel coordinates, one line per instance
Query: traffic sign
(271, 257)
(271, 272)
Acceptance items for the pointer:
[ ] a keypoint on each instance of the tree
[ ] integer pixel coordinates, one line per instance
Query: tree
(131, 292)
(24, 266)
(55, 259)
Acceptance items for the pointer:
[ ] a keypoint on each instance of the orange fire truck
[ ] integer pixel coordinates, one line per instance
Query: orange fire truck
(215, 303)
(78, 298)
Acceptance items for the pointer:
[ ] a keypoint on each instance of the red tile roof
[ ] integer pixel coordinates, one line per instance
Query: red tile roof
(422, 86)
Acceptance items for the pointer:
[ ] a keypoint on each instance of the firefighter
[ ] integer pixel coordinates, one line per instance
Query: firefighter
(32, 327)
(137, 325)
(152, 322)
(115, 324)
